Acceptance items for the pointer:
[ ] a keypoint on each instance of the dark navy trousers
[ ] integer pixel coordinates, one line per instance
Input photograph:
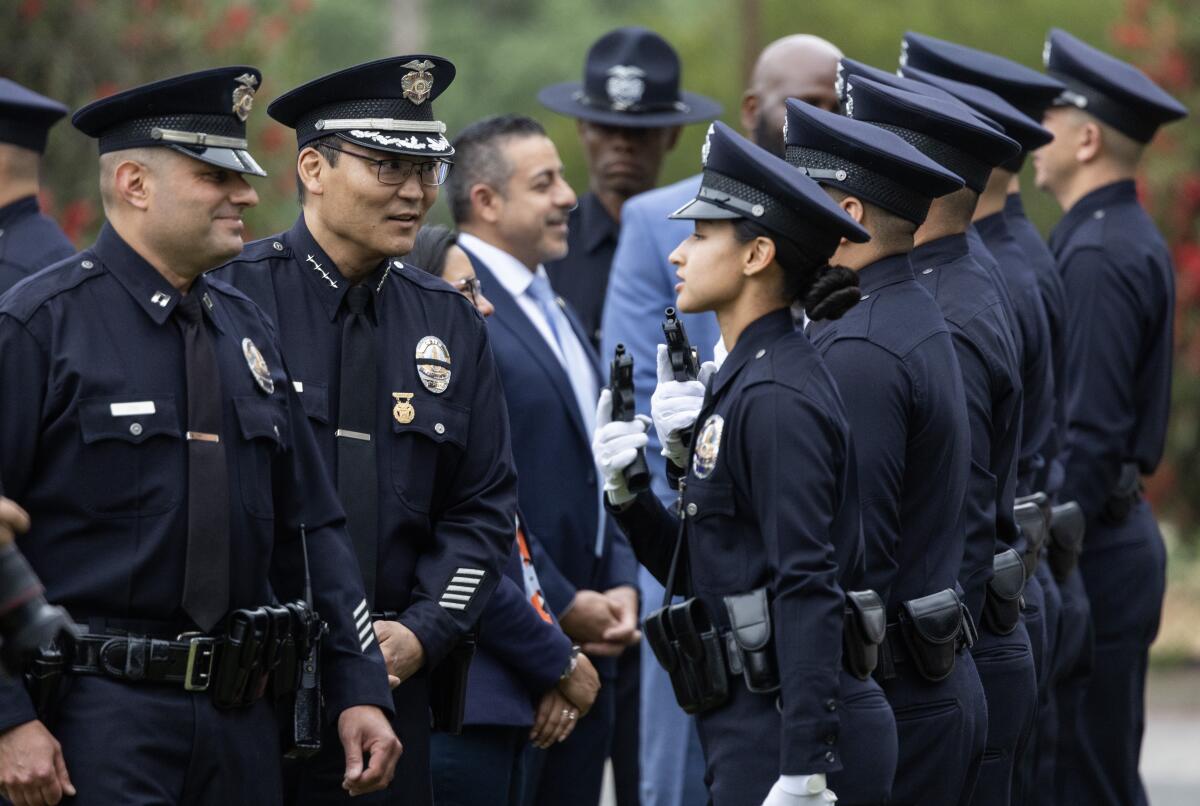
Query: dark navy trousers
(941, 729)
(318, 781)
(149, 745)
(1072, 670)
(741, 746)
(484, 766)
(1035, 768)
(1005, 664)
(1124, 572)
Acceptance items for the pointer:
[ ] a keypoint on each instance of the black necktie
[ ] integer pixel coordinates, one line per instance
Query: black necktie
(206, 577)
(356, 474)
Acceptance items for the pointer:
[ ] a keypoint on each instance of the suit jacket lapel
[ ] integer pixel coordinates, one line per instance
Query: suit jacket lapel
(509, 315)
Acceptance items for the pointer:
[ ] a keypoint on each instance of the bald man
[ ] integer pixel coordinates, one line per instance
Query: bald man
(641, 285)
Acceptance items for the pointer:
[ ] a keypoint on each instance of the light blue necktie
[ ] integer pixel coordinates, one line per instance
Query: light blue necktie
(546, 300)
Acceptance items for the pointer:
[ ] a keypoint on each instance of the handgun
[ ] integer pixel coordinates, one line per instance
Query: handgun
(685, 361)
(624, 409)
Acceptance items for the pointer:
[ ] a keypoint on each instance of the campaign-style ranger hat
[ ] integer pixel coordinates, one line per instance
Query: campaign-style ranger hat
(864, 160)
(947, 132)
(1023, 87)
(26, 117)
(1029, 133)
(630, 79)
(202, 115)
(386, 105)
(1109, 89)
(743, 180)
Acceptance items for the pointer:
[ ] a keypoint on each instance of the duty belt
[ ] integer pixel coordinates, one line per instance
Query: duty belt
(188, 660)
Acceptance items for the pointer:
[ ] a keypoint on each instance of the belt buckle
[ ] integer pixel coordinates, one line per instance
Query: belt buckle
(201, 650)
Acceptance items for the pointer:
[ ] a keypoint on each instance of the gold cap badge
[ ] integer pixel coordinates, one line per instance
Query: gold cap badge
(419, 83)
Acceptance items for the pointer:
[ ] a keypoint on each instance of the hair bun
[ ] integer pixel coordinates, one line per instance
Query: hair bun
(834, 292)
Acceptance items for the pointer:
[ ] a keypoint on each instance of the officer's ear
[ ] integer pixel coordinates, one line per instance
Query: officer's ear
(853, 208)
(131, 183)
(309, 166)
(749, 112)
(1089, 142)
(758, 254)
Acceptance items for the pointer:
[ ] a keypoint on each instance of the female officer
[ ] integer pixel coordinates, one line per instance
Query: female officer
(769, 535)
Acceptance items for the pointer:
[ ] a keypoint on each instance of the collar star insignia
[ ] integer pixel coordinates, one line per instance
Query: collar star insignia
(419, 83)
(243, 95)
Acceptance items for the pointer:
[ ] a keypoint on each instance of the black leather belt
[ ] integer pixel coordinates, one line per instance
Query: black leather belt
(189, 659)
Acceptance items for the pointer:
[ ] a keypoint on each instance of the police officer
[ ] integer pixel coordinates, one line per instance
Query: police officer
(971, 304)
(1016, 244)
(895, 366)
(769, 536)
(154, 436)
(1120, 295)
(395, 375)
(28, 239)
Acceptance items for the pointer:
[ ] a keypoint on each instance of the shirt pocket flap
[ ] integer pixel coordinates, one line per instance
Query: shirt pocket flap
(436, 419)
(315, 400)
(707, 498)
(260, 418)
(126, 419)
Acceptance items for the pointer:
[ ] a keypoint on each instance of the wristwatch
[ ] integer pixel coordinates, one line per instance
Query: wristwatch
(572, 662)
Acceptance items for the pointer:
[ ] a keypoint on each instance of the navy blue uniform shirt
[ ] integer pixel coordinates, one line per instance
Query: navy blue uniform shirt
(1121, 307)
(1038, 430)
(91, 443)
(447, 489)
(28, 241)
(972, 307)
(1054, 298)
(581, 278)
(895, 366)
(773, 505)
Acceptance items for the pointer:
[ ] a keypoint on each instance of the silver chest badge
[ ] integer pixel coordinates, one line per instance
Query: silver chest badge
(708, 446)
(624, 86)
(433, 364)
(258, 366)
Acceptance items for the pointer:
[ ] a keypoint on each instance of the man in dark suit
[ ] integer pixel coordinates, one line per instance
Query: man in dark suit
(511, 204)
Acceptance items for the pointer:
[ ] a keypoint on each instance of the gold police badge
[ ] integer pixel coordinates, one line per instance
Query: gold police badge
(258, 366)
(419, 83)
(243, 95)
(708, 445)
(403, 411)
(433, 364)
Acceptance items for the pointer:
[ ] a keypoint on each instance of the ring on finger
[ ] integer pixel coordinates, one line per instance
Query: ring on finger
(571, 715)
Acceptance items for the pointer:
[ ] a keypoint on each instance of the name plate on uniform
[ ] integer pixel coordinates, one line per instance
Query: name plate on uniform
(132, 409)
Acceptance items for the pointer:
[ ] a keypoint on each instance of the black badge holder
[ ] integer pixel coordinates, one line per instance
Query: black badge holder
(932, 628)
(448, 686)
(687, 644)
(750, 640)
(863, 628)
(1002, 605)
(1067, 528)
(301, 707)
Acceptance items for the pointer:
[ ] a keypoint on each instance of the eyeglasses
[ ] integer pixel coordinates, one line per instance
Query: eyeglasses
(397, 171)
(470, 287)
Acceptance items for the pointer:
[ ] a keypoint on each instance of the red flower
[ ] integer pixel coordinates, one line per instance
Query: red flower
(77, 217)
(105, 89)
(1130, 35)
(273, 138)
(274, 29)
(301, 6)
(29, 9)
(237, 20)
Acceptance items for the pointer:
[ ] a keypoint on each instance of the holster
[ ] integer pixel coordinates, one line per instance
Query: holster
(1067, 528)
(750, 645)
(863, 628)
(43, 679)
(1032, 513)
(688, 647)
(1124, 495)
(1002, 605)
(932, 627)
(236, 681)
(299, 708)
(448, 686)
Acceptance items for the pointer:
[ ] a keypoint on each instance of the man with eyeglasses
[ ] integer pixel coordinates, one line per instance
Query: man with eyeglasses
(395, 373)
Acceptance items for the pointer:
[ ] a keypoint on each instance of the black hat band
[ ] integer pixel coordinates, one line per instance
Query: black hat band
(634, 108)
(1098, 105)
(973, 172)
(755, 205)
(829, 169)
(207, 131)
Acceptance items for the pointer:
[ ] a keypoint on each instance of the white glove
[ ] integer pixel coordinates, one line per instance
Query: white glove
(799, 790)
(615, 446)
(675, 405)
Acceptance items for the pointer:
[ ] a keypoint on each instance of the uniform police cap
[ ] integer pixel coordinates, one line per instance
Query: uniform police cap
(848, 67)
(864, 161)
(630, 79)
(1107, 88)
(1017, 125)
(948, 132)
(743, 180)
(386, 105)
(1023, 87)
(202, 115)
(26, 117)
